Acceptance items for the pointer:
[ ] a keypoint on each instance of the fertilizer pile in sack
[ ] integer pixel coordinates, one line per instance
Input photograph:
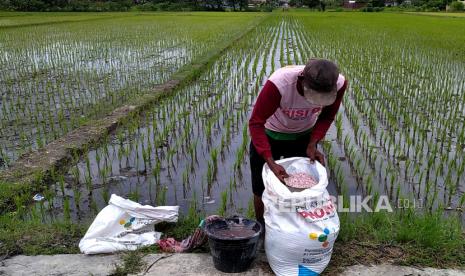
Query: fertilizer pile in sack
(125, 225)
(301, 224)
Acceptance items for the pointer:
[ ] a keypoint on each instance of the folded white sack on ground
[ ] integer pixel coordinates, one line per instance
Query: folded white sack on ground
(125, 225)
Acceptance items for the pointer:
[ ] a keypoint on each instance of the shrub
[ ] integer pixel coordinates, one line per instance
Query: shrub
(456, 6)
(252, 9)
(258, 9)
(27, 5)
(266, 8)
(163, 6)
(79, 6)
(367, 9)
(4, 5)
(147, 7)
(70, 5)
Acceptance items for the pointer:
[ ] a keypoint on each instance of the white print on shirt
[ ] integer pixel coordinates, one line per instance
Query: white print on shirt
(298, 114)
(295, 113)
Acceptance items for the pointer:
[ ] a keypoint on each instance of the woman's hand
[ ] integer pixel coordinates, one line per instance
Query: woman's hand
(277, 169)
(314, 154)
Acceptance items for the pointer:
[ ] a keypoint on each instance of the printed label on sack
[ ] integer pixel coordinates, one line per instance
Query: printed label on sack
(139, 231)
(133, 223)
(135, 226)
(321, 237)
(313, 256)
(317, 210)
(125, 242)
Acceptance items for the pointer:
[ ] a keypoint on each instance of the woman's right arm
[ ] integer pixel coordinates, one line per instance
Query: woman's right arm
(267, 103)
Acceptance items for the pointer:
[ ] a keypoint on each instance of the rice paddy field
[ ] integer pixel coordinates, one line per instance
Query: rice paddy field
(446, 14)
(55, 76)
(400, 131)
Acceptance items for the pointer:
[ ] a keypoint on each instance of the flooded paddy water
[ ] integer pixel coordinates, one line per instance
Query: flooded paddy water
(392, 135)
(55, 77)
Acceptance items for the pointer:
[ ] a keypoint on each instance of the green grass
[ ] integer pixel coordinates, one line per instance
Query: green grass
(18, 236)
(422, 239)
(132, 264)
(427, 239)
(17, 196)
(185, 226)
(33, 237)
(358, 28)
(446, 14)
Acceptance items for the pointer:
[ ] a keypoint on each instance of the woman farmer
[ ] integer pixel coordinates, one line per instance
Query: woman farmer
(293, 112)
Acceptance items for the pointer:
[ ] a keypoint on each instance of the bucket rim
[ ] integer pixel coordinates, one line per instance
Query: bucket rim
(256, 234)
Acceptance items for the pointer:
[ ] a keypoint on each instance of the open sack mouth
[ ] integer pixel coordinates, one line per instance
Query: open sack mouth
(301, 180)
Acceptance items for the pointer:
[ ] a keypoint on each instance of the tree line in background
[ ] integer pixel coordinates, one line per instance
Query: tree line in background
(126, 5)
(379, 5)
(219, 5)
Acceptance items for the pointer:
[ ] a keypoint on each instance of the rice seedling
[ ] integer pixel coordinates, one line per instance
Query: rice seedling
(62, 86)
(161, 196)
(224, 203)
(66, 209)
(386, 139)
(338, 123)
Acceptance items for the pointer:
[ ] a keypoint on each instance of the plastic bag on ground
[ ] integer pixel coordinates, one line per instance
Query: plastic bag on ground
(301, 226)
(196, 240)
(125, 225)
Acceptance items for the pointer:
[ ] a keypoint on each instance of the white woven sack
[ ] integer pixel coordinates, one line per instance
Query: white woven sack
(301, 225)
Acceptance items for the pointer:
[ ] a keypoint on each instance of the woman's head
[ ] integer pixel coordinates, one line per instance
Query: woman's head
(319, 81)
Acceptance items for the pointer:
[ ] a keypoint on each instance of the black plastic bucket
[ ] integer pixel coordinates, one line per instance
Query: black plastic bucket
(233, 253)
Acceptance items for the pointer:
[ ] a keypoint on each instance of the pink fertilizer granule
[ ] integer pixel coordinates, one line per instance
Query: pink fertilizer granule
(300, 180)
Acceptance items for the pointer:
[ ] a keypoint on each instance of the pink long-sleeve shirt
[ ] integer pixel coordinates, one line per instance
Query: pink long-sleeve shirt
(280, 108)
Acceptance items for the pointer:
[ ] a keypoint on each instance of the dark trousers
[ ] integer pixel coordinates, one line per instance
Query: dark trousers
(279, 148)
